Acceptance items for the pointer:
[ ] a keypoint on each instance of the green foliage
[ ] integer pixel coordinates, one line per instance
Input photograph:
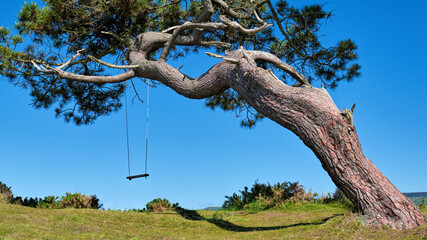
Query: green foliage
(302, 48)
(160, 205)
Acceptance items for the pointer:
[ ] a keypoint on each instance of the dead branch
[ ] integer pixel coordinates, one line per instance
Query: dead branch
(112, 65)
(230, 60)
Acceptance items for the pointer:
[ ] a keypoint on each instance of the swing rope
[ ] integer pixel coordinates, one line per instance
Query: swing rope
(127, 130)
(146, 137)
(146, 130)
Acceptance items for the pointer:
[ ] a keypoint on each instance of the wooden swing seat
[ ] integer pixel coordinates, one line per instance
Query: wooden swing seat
(137, 176)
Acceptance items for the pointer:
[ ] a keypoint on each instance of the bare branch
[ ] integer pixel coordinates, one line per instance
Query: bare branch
(230, 60)
(70, 60)
(218, 26)
(112, 65)
(170, 29)
(256, 14)
(127, 41)
(40, 68)
(35, 61)
(268, 57)
(136, 92)
(230, 12)
(95, 79)
(240, 28)
(215, 44)
(46, 69)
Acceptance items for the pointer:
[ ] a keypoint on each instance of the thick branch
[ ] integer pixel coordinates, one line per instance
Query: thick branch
(258, 55)
(216, 80)
(95, 79)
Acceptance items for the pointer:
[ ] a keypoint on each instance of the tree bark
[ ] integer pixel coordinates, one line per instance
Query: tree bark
(311, 114)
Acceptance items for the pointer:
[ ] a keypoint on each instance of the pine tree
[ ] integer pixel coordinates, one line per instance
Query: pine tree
(271, 53)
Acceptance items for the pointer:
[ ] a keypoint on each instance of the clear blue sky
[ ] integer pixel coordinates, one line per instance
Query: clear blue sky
(197, 156)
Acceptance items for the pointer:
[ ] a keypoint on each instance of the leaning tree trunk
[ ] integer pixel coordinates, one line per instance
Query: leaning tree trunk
(308, 112)
(312, 115)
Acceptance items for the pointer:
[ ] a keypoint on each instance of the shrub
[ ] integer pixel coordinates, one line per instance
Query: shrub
(264, 196)
(77, 200)
(30, 202)
(422, 204)
(6, 195)
(161, 205)
(48, 202)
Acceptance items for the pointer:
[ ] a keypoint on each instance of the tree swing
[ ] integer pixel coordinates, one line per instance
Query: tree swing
(130, 177)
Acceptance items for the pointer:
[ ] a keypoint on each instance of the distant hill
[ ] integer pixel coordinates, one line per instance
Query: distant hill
(416, 196)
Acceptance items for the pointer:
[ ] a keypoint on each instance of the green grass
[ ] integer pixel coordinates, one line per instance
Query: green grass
(290, 221)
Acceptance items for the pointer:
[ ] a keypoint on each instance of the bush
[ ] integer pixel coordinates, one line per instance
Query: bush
(77, 200)
(70, 200)
(6, 195)
(161, 205)
(48, 202)
(264, 196)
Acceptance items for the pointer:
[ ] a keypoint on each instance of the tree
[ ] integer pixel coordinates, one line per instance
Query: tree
(141, 35)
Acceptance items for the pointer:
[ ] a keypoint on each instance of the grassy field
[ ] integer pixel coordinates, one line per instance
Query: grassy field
(292, 221)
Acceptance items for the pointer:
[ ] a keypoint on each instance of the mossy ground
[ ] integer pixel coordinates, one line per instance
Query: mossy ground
(292, 221)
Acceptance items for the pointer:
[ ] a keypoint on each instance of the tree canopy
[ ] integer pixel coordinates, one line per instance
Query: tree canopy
(48, 36)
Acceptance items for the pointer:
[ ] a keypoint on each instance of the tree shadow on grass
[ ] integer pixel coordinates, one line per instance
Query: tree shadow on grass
(226, 225)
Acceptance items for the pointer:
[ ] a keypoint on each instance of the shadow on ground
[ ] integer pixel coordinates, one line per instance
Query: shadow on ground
(226, 225)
